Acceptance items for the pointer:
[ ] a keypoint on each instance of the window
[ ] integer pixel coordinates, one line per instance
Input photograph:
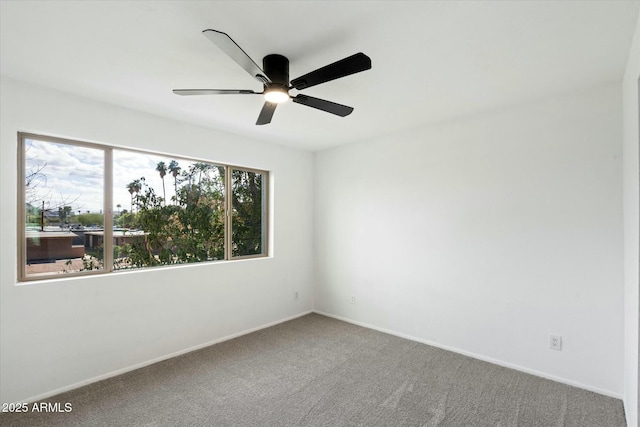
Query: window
(88, 208)
(63, 194)
(248, 213)
(175, 210)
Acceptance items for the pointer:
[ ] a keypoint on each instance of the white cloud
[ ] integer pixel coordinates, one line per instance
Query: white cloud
(75, 175)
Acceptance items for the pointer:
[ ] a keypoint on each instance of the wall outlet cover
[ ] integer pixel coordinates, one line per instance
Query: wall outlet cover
(555, 342)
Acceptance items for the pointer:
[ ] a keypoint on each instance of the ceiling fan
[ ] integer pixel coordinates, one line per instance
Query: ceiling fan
(275, 78)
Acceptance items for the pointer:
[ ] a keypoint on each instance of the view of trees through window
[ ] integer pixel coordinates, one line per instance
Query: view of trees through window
(248, 213)
(176, 215)
(166, 210)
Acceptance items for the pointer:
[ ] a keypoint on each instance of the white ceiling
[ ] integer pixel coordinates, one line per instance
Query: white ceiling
(432, 61)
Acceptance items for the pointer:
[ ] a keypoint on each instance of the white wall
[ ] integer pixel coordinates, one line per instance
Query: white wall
(485, 235)
(482, 235)
(631, 177)
(57, 334)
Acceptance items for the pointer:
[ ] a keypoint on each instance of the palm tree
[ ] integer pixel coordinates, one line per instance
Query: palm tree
(175, 170)
(118, 206)
(132, 189)
(135, 186)
(138, 185)
(162, 168)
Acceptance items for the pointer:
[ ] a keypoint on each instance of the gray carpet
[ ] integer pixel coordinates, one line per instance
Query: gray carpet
(317, 371)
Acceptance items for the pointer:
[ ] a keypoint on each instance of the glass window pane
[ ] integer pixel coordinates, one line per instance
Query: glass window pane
(248, 223)
(167, 210)
(63, 192)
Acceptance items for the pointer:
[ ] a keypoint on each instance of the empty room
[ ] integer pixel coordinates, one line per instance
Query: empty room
(319, 213)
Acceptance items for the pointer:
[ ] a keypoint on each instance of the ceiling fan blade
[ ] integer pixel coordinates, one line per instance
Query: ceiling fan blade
(266, 113)
(345, 67)
(214, 92)
(235, 52)
(321, 104)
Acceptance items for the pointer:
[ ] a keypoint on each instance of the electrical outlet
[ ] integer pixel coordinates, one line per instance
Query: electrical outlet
(555, 342)
(353, 299)
(296, 297)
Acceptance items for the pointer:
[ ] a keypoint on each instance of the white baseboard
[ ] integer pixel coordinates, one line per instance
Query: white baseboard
(477, 356)
(156, 360)
(344, 319)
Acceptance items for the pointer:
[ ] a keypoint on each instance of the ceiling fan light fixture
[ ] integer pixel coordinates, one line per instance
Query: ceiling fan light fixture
(276, 95)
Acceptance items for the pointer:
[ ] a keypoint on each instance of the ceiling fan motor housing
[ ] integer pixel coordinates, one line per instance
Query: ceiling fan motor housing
(276, 67)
